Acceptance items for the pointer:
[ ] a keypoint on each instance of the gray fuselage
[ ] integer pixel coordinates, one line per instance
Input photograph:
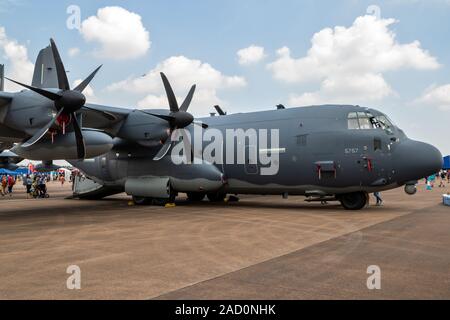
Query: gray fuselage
(320, 151)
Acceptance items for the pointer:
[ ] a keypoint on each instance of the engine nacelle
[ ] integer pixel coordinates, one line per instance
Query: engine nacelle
(65, 147)
(144, 129)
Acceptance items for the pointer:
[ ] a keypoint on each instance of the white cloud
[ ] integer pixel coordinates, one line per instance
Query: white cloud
(88, 91)
(436, 96)
(182, 73)
(251, 55)
(73, 52)
(18, 66)
(120, 33)
(349, 63)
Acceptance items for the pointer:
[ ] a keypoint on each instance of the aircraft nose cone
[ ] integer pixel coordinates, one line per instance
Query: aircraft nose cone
(415, 160)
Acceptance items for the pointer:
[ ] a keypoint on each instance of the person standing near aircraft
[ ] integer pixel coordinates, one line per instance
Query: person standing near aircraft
(62, 179)
(379, 199)
(28, 184)
(11, 183)
(4, 185)
(442, 175)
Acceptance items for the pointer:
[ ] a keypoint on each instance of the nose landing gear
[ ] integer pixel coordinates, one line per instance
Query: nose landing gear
(411, 189)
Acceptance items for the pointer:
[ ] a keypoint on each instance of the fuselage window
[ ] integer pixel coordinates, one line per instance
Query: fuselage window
(377, 144)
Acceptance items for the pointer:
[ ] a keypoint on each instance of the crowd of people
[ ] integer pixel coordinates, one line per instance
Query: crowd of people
(35, 184)
(8, 183)
(442, 177)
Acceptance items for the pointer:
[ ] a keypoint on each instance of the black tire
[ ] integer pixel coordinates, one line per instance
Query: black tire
(354, 201)
(216, 197)
(196, 196)
(142, 201)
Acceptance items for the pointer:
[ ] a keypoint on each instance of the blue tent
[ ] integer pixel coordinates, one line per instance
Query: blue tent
(447, 163)
(18, 172)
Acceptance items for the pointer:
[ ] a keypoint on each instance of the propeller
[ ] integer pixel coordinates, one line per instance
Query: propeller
(66, 101)
(178, 119)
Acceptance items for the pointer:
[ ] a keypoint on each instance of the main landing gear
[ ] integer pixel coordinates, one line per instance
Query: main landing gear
(212, 197)
(146, 201)
(354, 201)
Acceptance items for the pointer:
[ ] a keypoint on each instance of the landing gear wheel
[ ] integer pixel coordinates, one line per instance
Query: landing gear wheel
(196, 196)
(142, 201)
(354, 201)
(216, 197)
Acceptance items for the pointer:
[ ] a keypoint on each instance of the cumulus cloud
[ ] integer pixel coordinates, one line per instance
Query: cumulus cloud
(182, 73)
(88, 91)
(348, 63)
(119, 33)
(251, 55)
(436, 96)
(73, 52)
(18, 65)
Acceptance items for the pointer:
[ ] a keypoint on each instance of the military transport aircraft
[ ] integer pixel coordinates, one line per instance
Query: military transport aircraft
(332, 152)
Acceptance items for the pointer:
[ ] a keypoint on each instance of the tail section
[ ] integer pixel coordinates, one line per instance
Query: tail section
(2, 77)
(45, 70)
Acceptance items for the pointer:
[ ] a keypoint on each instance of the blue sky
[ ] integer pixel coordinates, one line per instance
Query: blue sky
(210, 33)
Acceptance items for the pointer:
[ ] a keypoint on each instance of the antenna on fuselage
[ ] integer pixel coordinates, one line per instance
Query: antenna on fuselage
(220, 111)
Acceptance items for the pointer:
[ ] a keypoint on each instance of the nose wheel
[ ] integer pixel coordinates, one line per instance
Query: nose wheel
(354, 201)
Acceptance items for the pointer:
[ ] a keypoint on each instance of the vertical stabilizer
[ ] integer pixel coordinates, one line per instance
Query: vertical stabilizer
(2, 77)
(45, 70)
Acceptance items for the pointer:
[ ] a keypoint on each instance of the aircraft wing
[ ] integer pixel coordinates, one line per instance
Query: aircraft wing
(5, 98)
(103, 117)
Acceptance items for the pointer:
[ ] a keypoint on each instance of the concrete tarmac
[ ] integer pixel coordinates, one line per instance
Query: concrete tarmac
(260, 248)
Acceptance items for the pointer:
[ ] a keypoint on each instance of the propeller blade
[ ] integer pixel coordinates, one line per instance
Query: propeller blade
(188, 99)
(63, 82)
(48, 94)
(173, 104)
(203, 125)
(81, 149)
(161, 116)
(108, 115)
(86, 81)
(164, 150)
(38, 135)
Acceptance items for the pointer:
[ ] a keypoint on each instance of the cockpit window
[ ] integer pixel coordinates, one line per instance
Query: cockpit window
(353, 123)
(361, 120)
(385, 123)
(367, 121)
